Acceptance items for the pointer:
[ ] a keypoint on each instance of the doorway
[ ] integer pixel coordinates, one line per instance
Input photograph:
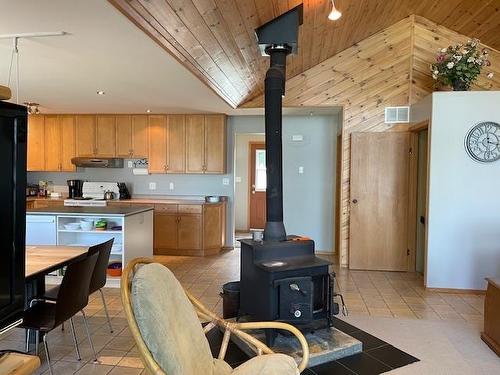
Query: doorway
(257, 184)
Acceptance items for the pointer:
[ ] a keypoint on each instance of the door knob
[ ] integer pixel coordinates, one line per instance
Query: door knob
(253, 191)
(354, 201)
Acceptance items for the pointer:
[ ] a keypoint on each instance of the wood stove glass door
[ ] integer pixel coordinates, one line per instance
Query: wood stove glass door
(258, 184)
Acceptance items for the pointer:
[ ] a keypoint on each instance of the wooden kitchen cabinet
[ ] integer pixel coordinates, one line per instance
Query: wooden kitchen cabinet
(85, 135)
(106, 136)
(36, 150)
(176, 144)
(59, 143)
(140, 136)
(157, 141)
(206, 144)
(132, 136)
(124, 136)
(188, 229)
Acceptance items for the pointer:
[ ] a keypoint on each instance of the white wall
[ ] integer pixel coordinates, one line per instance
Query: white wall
(241, 178)
(464, 207)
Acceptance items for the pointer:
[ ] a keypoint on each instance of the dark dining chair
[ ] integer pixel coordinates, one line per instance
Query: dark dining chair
(73, 296)
(98, 277)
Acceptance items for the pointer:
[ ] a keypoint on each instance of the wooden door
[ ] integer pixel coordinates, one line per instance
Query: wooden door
(195, 143)
(52, 143)
(85, 135)
(157, 159)
(190, 232)
(68, 146)
(176, 138)
(215, 144)
(124, 136)
(258, 184)
(140, 136)
(212, 226)
(106, 136)
(36, 149)
(379, 201)
(165, 231)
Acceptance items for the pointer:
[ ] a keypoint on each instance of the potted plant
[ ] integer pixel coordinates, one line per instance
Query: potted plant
(459, 66)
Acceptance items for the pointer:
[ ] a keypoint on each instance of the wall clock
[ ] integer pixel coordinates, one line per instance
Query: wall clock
(482, 142)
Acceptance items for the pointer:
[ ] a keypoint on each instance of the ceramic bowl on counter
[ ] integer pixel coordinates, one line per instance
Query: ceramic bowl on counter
(87, 224)
(72, 226)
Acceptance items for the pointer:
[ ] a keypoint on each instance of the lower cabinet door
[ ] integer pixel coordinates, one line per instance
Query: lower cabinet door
(190, 232)
(165, 232)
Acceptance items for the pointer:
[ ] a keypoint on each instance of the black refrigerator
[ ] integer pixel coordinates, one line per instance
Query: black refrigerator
(13, 145)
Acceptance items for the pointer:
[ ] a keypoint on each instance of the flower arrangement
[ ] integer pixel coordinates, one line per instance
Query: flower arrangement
(459, 66)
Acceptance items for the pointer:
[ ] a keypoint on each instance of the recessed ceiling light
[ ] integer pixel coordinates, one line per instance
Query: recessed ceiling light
(148, 111)
(100, 92)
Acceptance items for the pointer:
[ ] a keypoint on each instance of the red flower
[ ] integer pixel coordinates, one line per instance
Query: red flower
(440, 58)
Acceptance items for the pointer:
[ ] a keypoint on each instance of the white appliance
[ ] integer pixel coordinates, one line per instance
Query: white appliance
(93, 194)
(41, 230)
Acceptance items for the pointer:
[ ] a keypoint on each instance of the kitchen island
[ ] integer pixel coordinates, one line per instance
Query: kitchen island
(130, 227)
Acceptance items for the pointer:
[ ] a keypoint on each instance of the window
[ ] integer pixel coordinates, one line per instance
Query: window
(260, 170)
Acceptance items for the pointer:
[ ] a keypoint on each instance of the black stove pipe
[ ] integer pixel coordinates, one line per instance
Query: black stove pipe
(274, 92)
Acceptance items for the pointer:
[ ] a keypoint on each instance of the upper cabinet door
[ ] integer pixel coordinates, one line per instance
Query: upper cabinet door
(36, 159)
(106, 136)
(68, 147)
(52, 143)
(140, 136)
(195, 143)
(124, 136)
(215, 144)
(157, 140)
(85, 135)
(176, 137)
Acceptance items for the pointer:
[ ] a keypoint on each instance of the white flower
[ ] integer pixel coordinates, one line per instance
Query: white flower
(443, 50)
(436, 72)
(434, 76)
(490, 75)
(458, 57)
(450, 65)
(470, 59)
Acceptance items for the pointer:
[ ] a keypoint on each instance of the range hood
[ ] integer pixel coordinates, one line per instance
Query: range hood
(98, 162)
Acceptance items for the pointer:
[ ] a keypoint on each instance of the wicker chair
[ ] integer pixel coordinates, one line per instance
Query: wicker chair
(152, 296)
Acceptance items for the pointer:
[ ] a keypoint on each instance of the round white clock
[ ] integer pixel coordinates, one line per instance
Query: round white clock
(482, 142)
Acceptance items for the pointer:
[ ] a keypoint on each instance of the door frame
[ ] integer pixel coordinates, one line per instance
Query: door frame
(415, 129)
(249, 177)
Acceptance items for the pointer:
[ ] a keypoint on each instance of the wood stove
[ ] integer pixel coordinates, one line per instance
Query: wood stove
(281, 277)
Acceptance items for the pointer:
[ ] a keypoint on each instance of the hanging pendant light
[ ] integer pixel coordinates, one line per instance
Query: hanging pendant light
(334, 14)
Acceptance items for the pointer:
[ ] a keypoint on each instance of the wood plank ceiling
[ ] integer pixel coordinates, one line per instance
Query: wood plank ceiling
(215, 38)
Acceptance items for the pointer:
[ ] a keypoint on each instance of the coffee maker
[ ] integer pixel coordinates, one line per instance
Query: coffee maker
(75, 188)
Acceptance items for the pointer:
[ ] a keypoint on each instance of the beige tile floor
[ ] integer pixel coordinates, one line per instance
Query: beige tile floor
(398, 296)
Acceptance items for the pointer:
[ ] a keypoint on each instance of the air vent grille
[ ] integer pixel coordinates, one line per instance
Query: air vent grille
(397, 114)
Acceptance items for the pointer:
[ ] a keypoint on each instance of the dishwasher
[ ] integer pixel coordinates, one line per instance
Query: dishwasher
(41, 230)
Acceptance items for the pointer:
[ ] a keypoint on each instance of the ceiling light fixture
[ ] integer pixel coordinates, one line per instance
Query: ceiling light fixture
(100, 92)
(334, 14)
(148, 111)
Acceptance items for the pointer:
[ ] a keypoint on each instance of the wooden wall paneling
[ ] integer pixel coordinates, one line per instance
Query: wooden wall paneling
(52, 143)
(36, 149)
(176, 139)
(124, 147)
(140, 136)
(106, 136)
(68, 142)
(195, 143)
(157, 141)
(85, 135)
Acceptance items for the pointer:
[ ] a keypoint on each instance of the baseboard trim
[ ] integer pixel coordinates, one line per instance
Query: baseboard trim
(323, 252)
(456, 290)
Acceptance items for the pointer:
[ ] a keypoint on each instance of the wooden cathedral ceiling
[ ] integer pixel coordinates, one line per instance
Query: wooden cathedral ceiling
(215, 38)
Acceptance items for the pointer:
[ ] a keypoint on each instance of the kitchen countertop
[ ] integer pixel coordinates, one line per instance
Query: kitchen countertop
(161, 199)
(89, 211)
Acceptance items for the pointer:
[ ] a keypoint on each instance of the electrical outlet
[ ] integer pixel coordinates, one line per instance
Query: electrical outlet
(130, 164)
(225, 181)
(301, 170)
(171, 186)
(152, 186)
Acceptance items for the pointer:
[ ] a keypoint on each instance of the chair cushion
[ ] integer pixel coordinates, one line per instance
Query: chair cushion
(168, 323)
(269, 364)
(221, 367)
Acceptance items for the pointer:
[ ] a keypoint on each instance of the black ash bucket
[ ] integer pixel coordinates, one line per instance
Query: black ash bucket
(230, 299)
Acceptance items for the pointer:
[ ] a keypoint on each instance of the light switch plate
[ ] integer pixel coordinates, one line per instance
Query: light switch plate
(237, 179)
(130, 164)
(225, 181)
(301, 170)
(171, 186)
(297, 137)
(152, 186)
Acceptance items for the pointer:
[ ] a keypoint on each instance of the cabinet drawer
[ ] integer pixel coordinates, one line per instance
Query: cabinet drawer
(190, 209)
(167, 208)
